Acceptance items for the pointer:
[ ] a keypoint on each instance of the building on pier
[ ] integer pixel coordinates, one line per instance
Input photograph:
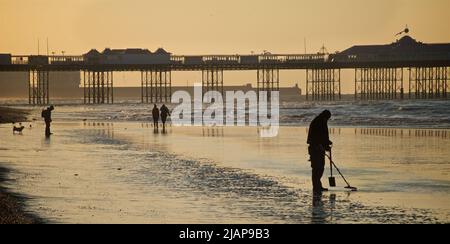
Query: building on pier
(135, 56)
(405, 49)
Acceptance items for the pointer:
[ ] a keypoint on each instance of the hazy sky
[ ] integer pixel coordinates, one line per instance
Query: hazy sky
(213, 26)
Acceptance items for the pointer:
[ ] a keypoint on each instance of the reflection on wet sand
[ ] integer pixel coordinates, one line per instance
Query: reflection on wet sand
(390, 132)
(322, 211)
(319, 213)
(394, 132)
(108, 129)
(158, 130)
(212, 132)
(101, 128)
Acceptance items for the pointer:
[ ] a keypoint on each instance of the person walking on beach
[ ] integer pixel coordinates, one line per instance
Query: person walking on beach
(155, 114)
(47, 115)
(319, 142)
(164, 113)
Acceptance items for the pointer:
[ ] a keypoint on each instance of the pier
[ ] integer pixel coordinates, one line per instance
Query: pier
(405, 69)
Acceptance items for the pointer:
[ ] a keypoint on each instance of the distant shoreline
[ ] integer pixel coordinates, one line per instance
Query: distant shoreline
(13, 115)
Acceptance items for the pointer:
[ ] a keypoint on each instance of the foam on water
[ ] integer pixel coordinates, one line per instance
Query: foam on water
(398, 113)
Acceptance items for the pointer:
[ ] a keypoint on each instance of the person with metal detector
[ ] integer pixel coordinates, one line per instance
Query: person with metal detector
(319, 142)
(332, 180)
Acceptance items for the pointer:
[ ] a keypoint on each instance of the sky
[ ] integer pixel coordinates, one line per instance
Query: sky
(216, 27)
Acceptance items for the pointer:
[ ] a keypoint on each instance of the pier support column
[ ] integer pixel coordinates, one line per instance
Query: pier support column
(212, 80)
(38, 87)
(446, 82)
(98, 87)
(268, 79)
(323, 84)
(379, 83)
(156, 86)
(428, 82)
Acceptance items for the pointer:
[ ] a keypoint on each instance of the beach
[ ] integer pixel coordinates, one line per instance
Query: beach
(126, 172)
(11, 205)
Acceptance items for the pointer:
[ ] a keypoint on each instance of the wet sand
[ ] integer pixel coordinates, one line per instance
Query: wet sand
(127, 173)
(11, 205)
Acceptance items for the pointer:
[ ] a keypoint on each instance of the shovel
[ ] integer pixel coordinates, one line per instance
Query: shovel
(331, 179)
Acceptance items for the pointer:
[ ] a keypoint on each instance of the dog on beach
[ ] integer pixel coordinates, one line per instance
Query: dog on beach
(18, 129)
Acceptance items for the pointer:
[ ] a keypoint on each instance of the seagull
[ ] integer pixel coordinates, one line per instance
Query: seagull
(406, 31)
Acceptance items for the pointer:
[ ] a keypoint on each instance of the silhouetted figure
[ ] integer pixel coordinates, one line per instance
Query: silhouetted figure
(155, 114)
(47, 115)
(164, 113)
(319, 142)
